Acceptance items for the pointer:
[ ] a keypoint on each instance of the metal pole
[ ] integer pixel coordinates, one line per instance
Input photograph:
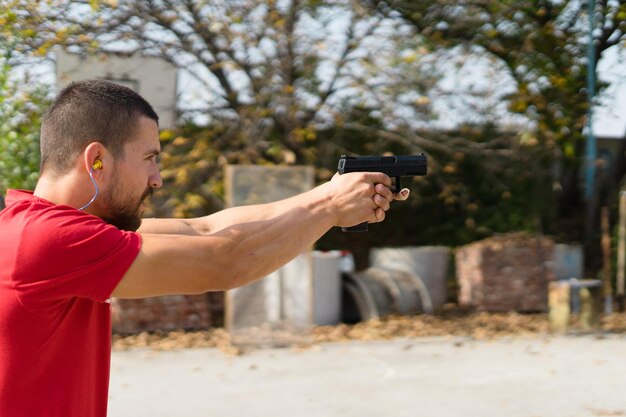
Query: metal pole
(607, 290)
(591, 146)
(590, 172)
(621, 252)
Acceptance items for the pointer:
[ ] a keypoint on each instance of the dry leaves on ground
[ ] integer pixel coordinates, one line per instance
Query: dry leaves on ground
(450, 322)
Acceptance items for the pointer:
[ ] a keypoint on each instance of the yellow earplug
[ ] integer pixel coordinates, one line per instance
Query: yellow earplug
(97, 164)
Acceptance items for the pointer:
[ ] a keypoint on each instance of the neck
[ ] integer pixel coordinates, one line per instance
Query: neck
(68, 189)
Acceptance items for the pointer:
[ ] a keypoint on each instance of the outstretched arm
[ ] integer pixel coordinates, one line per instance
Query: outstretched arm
(237, 246)
(236, 215)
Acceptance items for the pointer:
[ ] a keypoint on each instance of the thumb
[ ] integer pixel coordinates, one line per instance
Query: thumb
(402, 195)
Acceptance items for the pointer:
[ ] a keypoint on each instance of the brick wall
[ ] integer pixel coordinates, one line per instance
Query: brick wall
(507, 272)
(167, 313)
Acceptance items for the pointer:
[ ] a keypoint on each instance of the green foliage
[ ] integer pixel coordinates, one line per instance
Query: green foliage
(192, 173)
(544, 46)
(193, 160)
(277, 70)
(543, 43)
(22, 103)
(466, 195)
(20, 120)
(29, 29)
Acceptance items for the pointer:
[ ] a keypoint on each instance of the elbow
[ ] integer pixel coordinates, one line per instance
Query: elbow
(238, 279)
(235, 264)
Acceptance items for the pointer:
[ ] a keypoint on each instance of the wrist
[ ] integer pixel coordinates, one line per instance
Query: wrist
(323, 202)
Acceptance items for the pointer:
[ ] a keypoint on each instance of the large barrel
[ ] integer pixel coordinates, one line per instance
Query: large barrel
(429, 263)
(378, 291)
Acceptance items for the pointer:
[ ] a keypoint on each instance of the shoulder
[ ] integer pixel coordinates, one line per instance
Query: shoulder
(63, 223)
(62, 236)
(60, 252)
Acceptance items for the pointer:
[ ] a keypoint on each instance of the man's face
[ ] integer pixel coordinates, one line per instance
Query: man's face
(134, 178)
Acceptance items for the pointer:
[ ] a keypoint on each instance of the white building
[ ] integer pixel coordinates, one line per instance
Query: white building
(154, 78)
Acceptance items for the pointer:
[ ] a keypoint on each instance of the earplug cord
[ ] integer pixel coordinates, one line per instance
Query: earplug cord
(97, 190)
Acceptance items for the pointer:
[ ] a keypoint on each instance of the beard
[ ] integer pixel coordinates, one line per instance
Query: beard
(124, 215)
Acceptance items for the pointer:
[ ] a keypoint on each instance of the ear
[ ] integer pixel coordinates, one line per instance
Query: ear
(94, 156)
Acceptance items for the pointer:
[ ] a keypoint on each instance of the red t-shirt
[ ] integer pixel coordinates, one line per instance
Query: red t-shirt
(58, 267)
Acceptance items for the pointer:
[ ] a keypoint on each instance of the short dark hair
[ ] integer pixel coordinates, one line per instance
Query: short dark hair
(87, 111)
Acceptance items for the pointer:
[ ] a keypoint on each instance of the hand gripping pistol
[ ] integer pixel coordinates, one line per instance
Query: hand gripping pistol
(393, 166)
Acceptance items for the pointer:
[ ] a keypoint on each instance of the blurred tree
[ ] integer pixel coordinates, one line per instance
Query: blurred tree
(299, 81)
(22, 100)
(277, 72)
(21, 107)
(543, 44)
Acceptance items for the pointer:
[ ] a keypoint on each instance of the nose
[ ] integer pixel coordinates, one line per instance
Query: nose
(155, 180)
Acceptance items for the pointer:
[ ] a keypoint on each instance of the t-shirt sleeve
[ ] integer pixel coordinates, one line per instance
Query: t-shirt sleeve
(66, 254)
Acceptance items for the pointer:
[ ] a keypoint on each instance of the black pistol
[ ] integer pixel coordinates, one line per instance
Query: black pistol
(393, 166)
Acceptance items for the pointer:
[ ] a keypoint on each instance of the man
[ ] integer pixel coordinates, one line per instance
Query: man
(70, 245)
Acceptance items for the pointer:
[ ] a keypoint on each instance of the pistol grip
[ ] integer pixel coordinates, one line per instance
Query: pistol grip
(358, 228)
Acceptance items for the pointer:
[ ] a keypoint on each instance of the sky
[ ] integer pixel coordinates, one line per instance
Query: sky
(480, 75)
(610, 115)
(467, 74)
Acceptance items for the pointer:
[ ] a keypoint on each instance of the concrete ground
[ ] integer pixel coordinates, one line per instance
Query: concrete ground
(543, 376)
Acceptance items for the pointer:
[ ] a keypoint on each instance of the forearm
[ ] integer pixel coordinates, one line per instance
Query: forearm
(311, 200)
(225, 218)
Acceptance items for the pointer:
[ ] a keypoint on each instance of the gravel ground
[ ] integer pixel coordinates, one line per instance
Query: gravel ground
(512, 376)
(453, 364)
(449, 322)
